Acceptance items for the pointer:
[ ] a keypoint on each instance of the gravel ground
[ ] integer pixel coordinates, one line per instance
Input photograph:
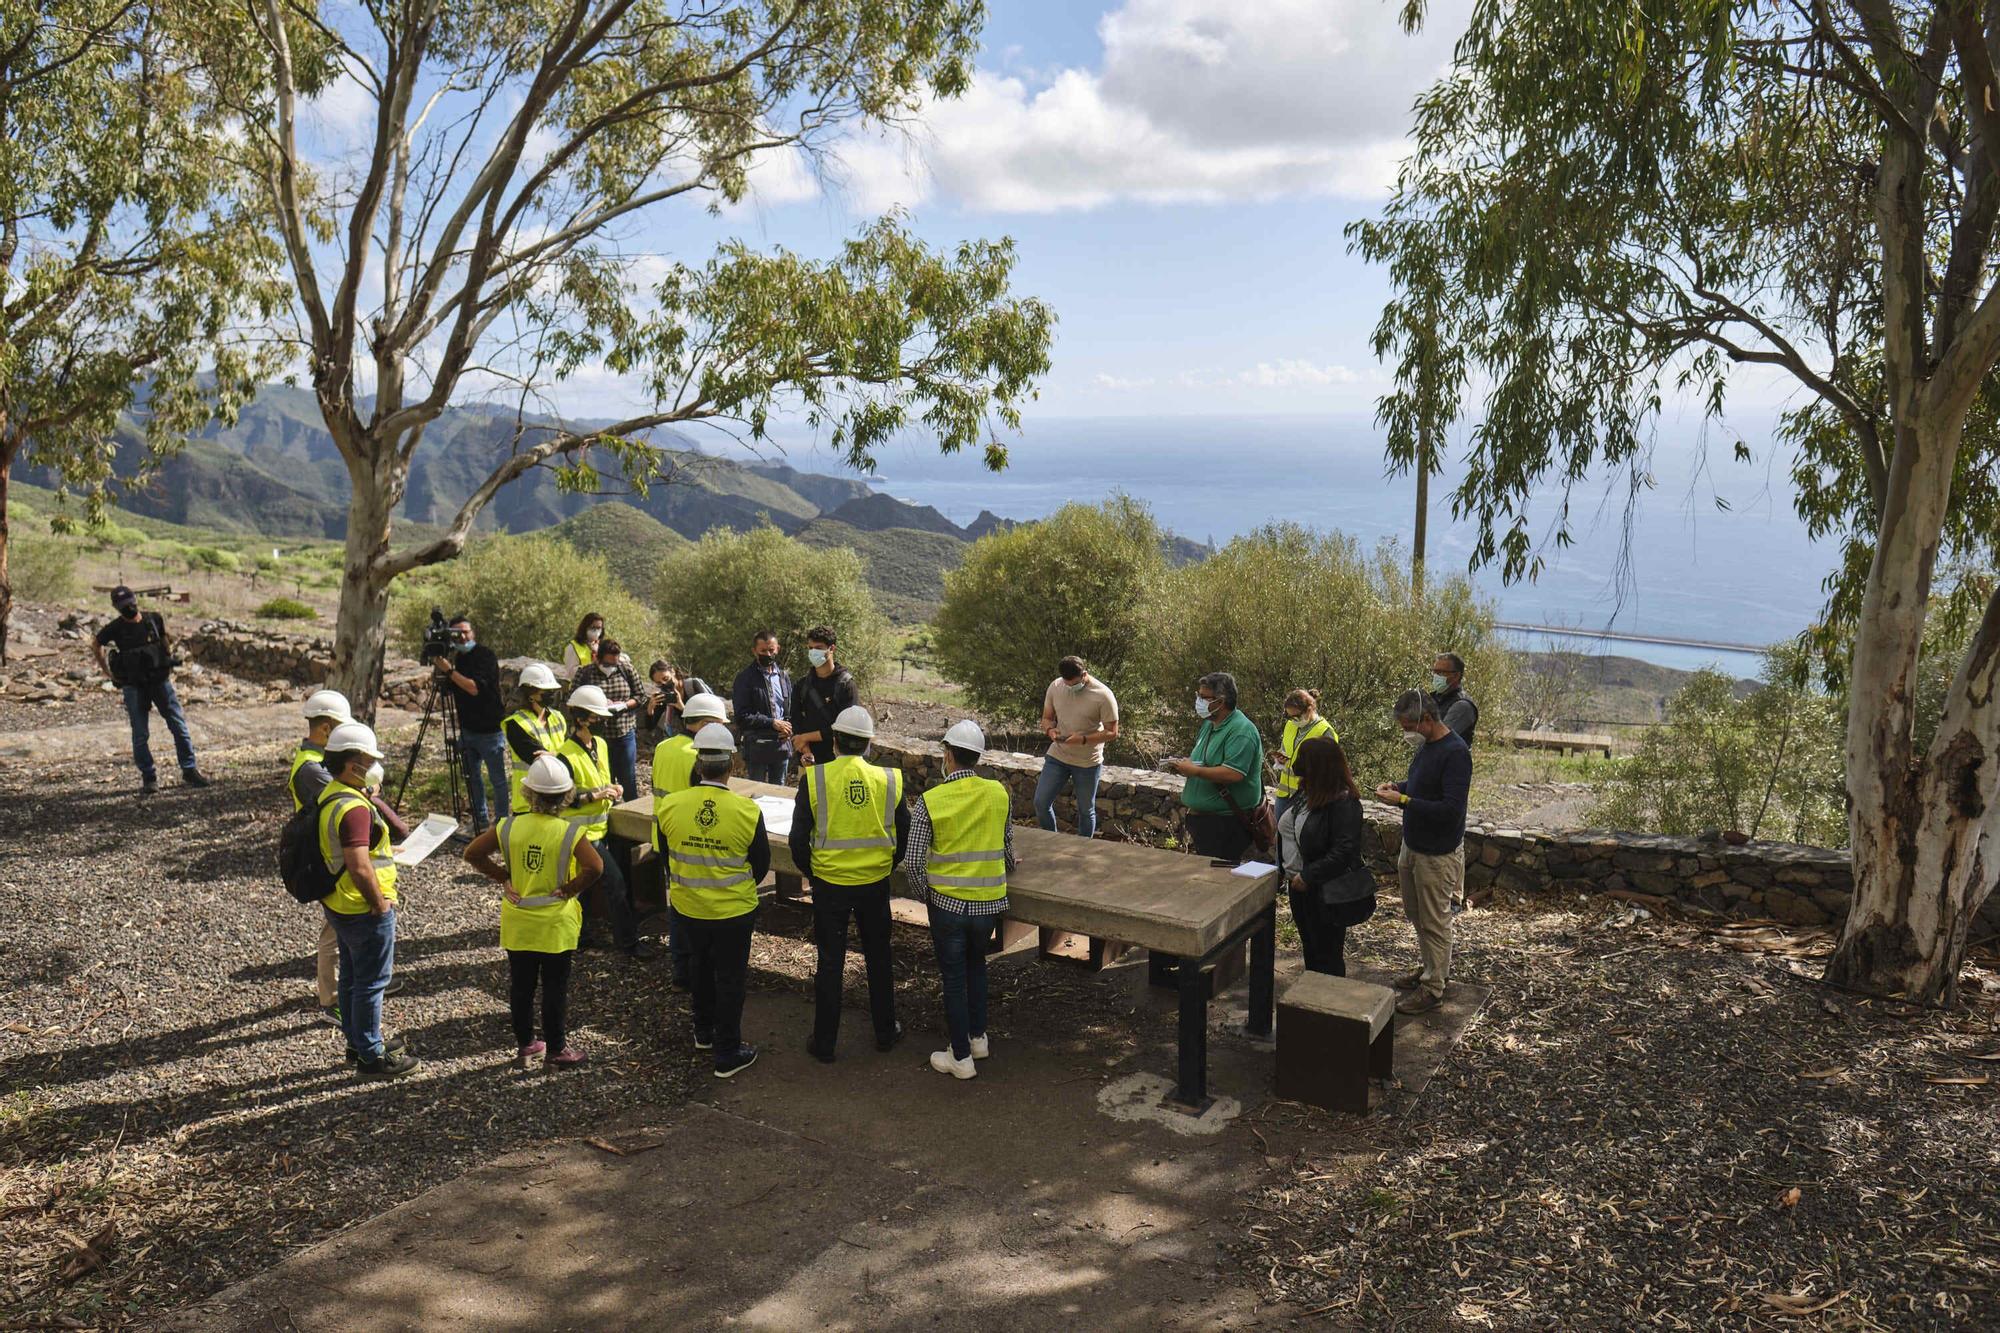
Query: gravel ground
(175, 1117)
(1656, 1125)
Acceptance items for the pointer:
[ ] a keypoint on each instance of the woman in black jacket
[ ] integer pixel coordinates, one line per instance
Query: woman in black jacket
(1320, 846)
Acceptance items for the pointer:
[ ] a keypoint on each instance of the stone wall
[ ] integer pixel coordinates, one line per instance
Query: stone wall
(1807, 886)
(256, 653)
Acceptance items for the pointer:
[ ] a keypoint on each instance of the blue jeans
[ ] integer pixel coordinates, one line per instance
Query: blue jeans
(770, 764)
(961, 943)
(625, 762)
(140, 700)
(487, 748)
(367, 960)
(1055, 776)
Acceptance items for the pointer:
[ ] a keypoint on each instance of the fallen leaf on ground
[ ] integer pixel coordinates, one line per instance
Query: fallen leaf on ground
(1824, 1073)
(90, 1256)
(1975, 1081)
(1984, 1055)
(1799, 1303)
(1790, 1198)
(611, 1148)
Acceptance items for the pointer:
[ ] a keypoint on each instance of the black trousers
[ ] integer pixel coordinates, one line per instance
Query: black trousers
(527, 968)
(1219, 838)
(719, 954)
(615, 898)
(1323, 929)
(868, 906)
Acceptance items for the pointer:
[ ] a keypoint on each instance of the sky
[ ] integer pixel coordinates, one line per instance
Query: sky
(1176, 175)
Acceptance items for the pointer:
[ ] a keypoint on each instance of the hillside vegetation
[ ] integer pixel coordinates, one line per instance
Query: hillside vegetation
(630, 541)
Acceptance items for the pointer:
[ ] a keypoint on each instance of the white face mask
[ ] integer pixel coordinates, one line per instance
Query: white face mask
(1201, 707)
(375, 776)
(593, 635)
(1078, 687)
(817, 656)
(1437, 682)
(1413, 738)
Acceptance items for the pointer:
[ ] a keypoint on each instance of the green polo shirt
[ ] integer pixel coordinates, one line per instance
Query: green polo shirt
(1236, 744)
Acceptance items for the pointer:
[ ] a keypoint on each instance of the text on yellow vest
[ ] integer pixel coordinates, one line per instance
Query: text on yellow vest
(853, 806)
(705, 833)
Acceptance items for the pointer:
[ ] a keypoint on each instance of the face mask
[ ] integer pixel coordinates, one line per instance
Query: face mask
(1437, 682)
(462, 646)
(765, 659)
(1413, 738)
(592, 635)
(1078, 687)
(817, 656)
(375, 776)
(1201, 707)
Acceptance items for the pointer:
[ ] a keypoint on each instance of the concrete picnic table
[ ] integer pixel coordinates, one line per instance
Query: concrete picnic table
(1162, 901)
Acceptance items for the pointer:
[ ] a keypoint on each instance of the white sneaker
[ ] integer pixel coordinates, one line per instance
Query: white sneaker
(981, 1048)
(946, 1063)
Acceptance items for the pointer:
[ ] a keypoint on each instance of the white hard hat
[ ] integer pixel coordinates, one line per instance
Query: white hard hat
(537, 676)
(328, 703)
(548, 775)
(353, 736)
(855, 721)
(591, 700)
(704, 706)
(714, 739)
(966, 735)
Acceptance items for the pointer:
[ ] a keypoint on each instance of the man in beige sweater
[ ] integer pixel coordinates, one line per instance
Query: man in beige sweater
(1079, 714)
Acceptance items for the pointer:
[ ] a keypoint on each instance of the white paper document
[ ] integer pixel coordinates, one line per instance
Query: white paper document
(1254, 869)
(777, 815)
(428, 837)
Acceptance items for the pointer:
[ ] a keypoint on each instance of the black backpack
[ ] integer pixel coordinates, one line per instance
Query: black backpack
(300, 864)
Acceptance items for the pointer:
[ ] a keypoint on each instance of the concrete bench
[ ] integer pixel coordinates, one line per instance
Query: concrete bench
(1567, 743)
(1334, 1034)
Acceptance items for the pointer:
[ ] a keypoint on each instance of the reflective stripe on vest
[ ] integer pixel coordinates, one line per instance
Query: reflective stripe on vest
(520, 877)
(334, 803)
(305, 754)
(549, 731)
(1288, 781)
(706, 832)
(592, 769)
(968, 857)
(673, 766)
(853, 806)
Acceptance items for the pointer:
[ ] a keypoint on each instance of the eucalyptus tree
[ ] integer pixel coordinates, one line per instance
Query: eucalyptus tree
(1626, 203)
(486, 234)
(128, 266)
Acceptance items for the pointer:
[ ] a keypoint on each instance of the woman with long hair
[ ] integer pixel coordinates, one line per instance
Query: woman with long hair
(1320, 844)
(581, 650)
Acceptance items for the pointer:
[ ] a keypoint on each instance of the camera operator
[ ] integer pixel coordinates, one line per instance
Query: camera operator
(472, 676)
(141, 665)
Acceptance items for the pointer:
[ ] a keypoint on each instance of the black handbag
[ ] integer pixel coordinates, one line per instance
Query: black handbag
(1349, 886)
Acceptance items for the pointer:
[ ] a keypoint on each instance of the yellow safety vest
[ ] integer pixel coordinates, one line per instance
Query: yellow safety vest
(1288, 781)
(591, 769)
(334, 803)
(305, 754)
(540, 852)
(707, 831)
(550, 730)
(968, 857)
(854, 828)
(673, 770)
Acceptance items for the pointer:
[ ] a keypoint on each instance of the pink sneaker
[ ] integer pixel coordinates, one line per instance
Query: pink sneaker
(569, 1057)
(529, 1052)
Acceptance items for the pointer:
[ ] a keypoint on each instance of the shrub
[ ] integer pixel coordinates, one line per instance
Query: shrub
(284, 608)
(714, 594)
(212, 559)
(41, 569)
(525, 595)
(1285, 607)
(1076, 582)
(1769, 764)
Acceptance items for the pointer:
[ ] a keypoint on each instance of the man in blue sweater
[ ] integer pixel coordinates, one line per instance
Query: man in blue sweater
(1431, 865)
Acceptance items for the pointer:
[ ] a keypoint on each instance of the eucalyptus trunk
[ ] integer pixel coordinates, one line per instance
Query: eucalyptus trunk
(361, 629)
(6, 541)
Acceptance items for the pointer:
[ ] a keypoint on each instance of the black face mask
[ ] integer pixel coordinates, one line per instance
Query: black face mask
(129, 612)
(767, 658)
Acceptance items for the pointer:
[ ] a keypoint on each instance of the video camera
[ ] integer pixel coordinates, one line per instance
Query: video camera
(437, 638)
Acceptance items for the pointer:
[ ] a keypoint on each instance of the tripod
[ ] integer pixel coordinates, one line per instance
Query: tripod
(441, 707)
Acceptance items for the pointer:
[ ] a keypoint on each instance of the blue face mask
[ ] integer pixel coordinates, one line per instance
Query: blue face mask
(817, 656)
(462, 646)
(1201, 707)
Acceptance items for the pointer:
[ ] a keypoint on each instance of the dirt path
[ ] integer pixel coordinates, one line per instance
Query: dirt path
(215, 730)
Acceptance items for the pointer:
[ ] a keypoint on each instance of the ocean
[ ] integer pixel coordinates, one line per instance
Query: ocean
(1747, 574)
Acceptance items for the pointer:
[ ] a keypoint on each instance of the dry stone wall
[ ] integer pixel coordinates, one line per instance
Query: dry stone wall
(1807, 886)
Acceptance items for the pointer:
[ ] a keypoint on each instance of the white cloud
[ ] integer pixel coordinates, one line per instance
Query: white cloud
(1195, 101)
(1283, 373)
(1290, 372)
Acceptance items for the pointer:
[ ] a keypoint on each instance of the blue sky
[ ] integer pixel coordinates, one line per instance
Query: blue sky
(1176, 175)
